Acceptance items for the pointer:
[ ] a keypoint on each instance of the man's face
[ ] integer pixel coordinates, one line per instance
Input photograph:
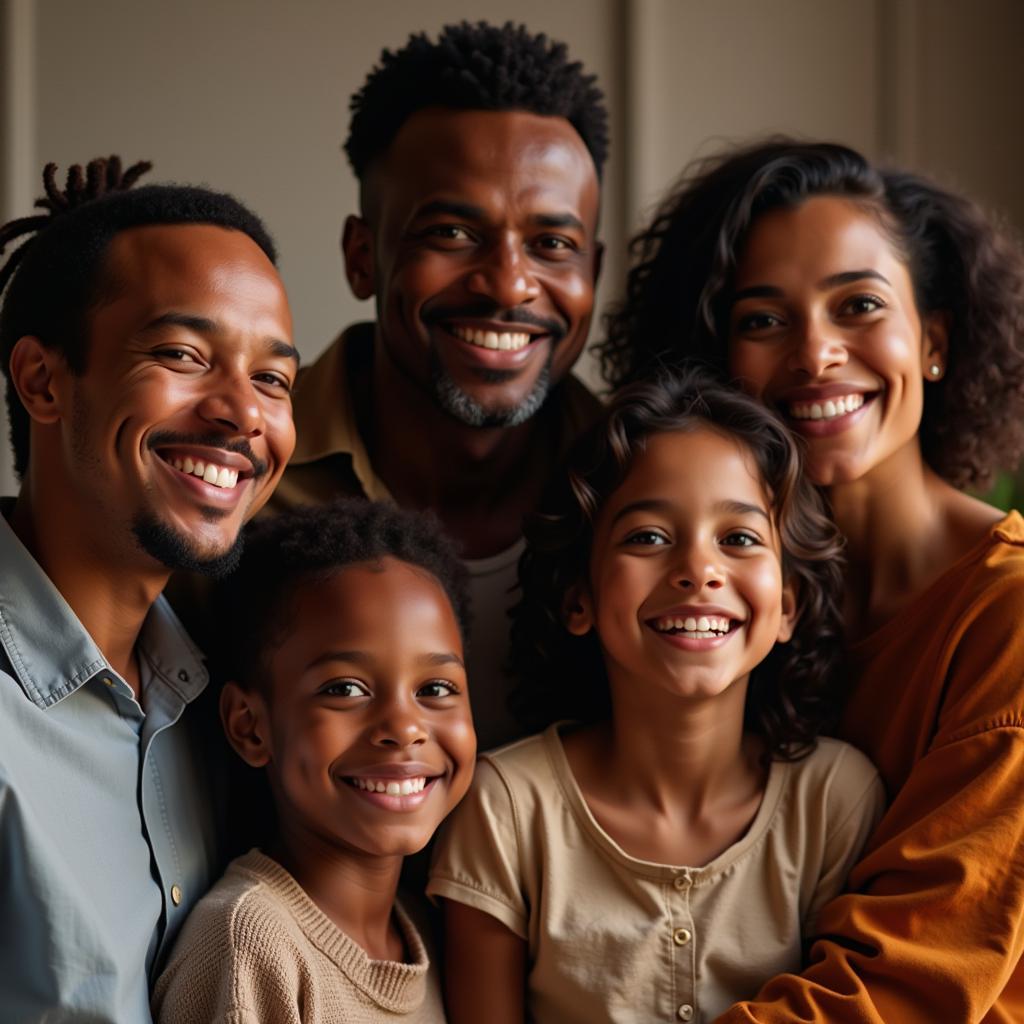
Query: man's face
(181, 424)
(479, 243)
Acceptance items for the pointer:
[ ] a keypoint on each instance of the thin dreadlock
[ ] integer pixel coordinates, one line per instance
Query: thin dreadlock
(52, 280)
(100, 177)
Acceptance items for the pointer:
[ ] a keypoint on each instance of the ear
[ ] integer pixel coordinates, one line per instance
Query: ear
(935, 345)
(357, 248)
(790, 611)
(37, 374)
(578, 610)
(243, 713)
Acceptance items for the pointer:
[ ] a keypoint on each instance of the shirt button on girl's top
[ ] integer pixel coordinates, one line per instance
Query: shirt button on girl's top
(685, 1012)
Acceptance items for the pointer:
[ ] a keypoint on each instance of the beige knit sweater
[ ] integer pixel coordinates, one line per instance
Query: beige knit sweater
(257, 950)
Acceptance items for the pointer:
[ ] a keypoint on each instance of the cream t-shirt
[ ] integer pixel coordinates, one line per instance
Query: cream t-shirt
(616, 939)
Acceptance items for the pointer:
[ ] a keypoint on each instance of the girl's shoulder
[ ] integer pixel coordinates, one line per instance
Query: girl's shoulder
(527, 763)
(832, 783)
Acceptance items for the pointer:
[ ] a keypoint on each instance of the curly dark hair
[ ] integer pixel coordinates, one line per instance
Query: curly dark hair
(798, 689)
(312, 543)
(475, 67)
(56, 276)
(961, 264)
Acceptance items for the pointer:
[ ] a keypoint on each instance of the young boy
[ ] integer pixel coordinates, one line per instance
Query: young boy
(343, 628)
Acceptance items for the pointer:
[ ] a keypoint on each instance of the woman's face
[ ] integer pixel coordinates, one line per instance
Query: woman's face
(823, 328)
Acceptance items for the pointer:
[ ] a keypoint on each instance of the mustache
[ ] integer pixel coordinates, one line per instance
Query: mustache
(518, 315)
(167, 438)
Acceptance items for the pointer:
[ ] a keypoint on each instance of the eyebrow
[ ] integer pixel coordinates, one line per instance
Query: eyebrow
(768, 291)
(467, 211)
(204, 325)
(740, 508)
(364, 658)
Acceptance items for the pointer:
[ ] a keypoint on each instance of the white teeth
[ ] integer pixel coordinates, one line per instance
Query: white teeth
(219, 476)
(826, 410)
(392, 787)
(505, 340)
(694, 626)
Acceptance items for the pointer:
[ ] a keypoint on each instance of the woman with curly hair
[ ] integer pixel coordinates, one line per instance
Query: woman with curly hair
(680, 596)
(882, 317)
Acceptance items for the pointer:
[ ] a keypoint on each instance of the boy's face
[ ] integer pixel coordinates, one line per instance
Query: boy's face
(368, 726)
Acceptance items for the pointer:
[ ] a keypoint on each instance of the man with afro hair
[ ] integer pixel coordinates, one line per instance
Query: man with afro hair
(479, 157)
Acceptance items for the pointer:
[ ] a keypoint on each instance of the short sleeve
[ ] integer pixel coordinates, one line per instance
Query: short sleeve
(477, 858)
(854, 805)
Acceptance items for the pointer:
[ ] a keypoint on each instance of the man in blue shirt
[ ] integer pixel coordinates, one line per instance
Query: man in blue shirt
(146, 342)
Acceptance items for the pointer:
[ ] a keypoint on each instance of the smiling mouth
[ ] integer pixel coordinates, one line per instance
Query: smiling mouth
(827, 409)
(504, 341)
(391, 787)
(208, 472)
(703, 627)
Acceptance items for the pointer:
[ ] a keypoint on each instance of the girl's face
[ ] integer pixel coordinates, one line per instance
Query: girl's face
(824, 328)
(685, 588)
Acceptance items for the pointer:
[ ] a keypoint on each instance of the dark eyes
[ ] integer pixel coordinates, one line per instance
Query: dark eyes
(762, 320)
(345, 688)
(740, 539)
(432, 689)
(655, 538)
(449, 233)
(861, 304)
(275, 380)
(437, 688)
(647, 538)
(757, 322)
(177, 355)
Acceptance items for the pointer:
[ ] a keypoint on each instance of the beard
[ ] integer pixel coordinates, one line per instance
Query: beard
(176, 551)
(469, 411)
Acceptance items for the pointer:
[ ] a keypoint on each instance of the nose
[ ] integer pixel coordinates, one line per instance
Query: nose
(505, 275)
(817, 346)
(231, 404)
(697, 568)
(399, 725)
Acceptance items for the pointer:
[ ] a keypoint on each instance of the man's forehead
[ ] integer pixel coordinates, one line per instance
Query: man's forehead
(439, 153)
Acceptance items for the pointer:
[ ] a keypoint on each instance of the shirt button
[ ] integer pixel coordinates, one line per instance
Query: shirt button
(107, 681)
(681, 936)
(685, 1012)
(681, 882)
(183, 676)
(176, 895)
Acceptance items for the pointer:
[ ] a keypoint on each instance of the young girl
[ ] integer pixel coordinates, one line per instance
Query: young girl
(664, 856)
(344, 626)
(883, 318)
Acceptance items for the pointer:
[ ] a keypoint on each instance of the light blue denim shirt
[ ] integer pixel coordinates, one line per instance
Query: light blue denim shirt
(107, 836)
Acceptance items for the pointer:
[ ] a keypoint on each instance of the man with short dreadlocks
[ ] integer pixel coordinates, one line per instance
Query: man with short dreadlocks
(145, 340)
(478, 157)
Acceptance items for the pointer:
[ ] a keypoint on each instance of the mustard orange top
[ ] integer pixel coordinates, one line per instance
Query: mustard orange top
(932, 926)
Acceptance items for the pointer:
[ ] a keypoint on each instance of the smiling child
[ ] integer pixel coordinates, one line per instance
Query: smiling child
(344, 626)
(664, 855)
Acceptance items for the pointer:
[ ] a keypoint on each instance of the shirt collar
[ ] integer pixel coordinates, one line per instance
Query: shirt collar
(49, 649)
(325, 417)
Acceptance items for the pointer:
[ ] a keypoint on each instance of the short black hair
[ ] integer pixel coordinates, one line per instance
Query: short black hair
(312, 543)
(56, 277)
(475, 67)
(798, 690)
(962, 263)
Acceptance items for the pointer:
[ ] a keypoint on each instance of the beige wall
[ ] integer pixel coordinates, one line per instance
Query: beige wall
(251, 96)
